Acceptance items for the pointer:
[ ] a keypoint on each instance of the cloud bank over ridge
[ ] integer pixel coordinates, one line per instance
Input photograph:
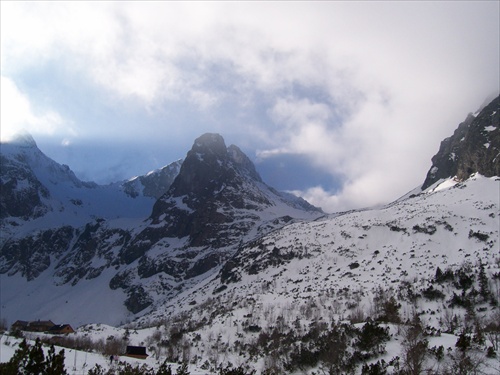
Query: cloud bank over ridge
(365, 91)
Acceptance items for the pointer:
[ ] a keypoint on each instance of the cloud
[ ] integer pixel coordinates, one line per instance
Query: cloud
(18, 114)
(364, 90)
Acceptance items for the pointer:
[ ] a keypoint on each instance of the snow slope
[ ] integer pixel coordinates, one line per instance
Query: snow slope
(361, 250)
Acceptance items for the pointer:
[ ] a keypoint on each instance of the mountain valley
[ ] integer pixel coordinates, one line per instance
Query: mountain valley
(203, 263)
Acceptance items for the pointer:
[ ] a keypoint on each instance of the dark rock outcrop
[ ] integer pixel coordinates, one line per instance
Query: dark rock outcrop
(203, 202)
(21, 193)
(474, 147)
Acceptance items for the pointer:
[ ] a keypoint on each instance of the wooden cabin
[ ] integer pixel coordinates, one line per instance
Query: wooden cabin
(34, 326)
(19, 325)
(136, 352)
(61, 329)
(40, 325)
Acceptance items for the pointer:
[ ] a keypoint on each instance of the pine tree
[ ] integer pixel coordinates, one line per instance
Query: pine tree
(30, 360)
(463, 342)
(164, 369)
(36, 359)
(372, 337)
(439, 275)
(55, 362)
(183, 370)
(484, 287)
(16, 361)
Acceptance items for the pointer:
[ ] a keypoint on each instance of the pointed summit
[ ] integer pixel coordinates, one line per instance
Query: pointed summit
(209, 167)
(216, 201)
(203, 169)
(210, 143)
(23, 139)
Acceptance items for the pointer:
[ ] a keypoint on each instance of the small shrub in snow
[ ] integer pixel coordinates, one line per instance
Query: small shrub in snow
(377, 368)
(426, 229)
(490, 353)
(235, 371)
(479, 236)
(433, 294)
(353, 265)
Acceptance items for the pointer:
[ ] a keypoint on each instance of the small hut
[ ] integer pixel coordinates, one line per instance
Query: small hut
(136, 352)
(61, 329)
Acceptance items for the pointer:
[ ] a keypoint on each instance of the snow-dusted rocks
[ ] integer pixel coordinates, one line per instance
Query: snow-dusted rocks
(223, 268)
(217, 202)
(473, 147)
(154, 184)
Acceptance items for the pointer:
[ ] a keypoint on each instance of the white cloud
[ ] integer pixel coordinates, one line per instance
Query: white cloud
(367, 90)
(17, 114)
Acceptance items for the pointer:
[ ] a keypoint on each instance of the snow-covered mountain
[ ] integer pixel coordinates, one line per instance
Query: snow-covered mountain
(154, 184)
(116, 247)
(224, 269)
(38, 193)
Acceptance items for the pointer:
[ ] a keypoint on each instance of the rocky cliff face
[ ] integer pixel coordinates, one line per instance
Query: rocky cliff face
(473, 147)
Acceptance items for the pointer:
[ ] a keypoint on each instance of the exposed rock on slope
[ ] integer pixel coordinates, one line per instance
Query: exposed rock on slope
(473, 147)
(24, 193)
(155, 183)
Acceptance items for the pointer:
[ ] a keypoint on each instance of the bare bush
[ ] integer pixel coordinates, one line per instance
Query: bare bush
(414, 346)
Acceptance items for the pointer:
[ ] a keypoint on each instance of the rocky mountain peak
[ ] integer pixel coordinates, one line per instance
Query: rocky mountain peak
(23, 139)
(203, 168)
(210, 143)
(209, 166)
(474, 147)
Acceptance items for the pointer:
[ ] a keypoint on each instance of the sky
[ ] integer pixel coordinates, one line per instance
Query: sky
(343, 103)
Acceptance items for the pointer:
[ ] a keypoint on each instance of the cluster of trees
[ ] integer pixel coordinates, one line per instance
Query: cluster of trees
(287, 345)
(31, 360)
(469, 300)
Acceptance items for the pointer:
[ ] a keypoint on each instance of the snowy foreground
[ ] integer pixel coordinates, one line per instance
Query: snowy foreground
(79, 362)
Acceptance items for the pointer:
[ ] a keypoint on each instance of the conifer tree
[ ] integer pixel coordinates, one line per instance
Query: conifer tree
(484, 288)
(30, 360)
(54, 363)
(36, 360)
